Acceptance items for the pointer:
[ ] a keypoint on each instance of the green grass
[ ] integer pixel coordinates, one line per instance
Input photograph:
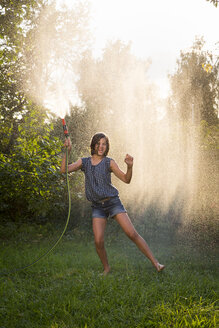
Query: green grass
(65, 289)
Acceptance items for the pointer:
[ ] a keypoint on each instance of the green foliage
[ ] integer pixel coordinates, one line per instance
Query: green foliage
(195, 86)
(15, 18)
(30, 146)
(209, 136)
(30, 178)
(195, 100)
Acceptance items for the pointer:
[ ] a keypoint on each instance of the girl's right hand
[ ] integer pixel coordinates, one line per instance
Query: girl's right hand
(68, 144)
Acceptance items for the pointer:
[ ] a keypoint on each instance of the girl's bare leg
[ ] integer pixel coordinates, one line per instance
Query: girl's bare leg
(127, 226)
(99, 226)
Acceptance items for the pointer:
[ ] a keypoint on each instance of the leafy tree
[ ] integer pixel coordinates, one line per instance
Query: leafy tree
(29, 174)
(15, 19)
(195, 102)
(29, 167)
(209, 136)
(195, 85)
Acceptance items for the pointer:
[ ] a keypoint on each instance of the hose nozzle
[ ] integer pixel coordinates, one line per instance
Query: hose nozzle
(65, 129)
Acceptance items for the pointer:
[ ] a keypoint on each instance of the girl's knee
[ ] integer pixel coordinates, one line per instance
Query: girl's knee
(99, 243)
(133, 235)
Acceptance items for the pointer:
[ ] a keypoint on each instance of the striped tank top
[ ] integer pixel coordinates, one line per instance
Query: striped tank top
(98, 179)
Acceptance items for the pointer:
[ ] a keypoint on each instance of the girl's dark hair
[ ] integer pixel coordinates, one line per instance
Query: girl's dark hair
(95, 139)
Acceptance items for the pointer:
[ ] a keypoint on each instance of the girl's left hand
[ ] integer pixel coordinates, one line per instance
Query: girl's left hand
(129, 160)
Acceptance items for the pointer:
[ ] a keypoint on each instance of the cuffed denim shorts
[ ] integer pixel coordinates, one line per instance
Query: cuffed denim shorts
(107, 208)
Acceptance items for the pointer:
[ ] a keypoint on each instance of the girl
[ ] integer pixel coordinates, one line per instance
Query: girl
(105, 197)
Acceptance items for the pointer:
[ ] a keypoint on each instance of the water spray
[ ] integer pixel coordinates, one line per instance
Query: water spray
(65, 129)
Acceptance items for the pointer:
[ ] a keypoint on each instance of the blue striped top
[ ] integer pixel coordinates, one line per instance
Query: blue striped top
(98, 179)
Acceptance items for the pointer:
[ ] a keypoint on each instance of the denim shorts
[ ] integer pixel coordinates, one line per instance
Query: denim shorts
(107, 208)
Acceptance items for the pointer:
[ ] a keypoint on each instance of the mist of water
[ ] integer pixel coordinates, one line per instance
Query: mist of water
(164, 159)
(139, 123)
(59, 40)
(129, 111)
(59, 94)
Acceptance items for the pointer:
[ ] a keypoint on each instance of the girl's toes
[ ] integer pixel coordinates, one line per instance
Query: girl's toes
(160, 267)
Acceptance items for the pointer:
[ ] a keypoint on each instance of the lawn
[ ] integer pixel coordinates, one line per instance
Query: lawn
(66, 288)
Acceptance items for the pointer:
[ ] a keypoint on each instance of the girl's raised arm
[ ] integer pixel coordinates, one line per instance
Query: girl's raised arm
(125, 177)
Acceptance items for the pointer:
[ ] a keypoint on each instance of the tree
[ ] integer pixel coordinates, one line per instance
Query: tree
(195, 85)
(29, 157)
(194, 102)
(37, 41)
(15, 19)
(29, 178)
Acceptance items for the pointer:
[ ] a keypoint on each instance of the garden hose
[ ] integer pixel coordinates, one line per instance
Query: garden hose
(67, 221)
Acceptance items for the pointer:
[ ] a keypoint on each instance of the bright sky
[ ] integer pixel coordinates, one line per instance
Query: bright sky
(157, 29)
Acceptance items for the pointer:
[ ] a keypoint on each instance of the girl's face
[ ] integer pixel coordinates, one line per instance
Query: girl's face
(100, 147)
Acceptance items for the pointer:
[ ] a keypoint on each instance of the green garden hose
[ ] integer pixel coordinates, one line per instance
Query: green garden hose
(66, 224)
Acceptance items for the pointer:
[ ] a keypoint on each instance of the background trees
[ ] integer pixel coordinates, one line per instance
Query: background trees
(195, 85)
(194, 101)
(14, 20)
(31, 41)
(47, 50)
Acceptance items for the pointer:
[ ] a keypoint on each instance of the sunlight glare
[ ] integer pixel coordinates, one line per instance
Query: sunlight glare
(61, 92)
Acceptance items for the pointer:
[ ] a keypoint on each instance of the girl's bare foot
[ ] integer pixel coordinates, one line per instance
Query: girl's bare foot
(160, 267)
(106, 271)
